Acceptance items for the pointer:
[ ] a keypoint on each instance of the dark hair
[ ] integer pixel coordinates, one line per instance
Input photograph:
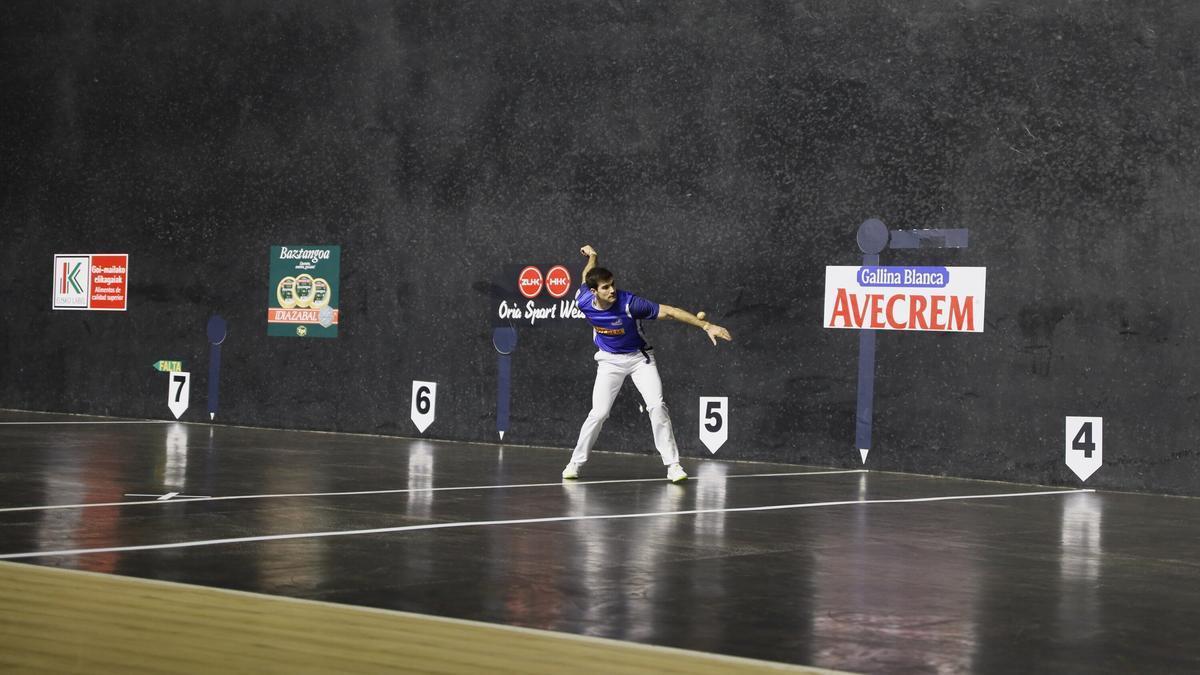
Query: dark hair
(595, 276)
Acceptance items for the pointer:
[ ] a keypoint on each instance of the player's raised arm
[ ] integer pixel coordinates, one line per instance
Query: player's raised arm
(590, 252)
(712, 330)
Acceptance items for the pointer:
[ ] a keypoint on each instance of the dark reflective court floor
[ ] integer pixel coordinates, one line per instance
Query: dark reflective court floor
(982, 577)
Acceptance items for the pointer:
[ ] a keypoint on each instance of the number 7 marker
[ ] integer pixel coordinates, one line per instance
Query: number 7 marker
(178, 392)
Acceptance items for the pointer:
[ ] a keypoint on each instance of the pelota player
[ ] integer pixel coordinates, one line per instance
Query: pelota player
(623, 352)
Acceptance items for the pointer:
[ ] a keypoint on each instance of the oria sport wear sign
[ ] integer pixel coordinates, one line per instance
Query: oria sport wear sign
(303, 291)
(534, 295)
(947, 299)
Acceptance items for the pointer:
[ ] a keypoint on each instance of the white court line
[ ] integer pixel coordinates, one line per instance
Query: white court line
(159, 497)
(98, 422)
(519, 521)
(386, 492)
(106, 422)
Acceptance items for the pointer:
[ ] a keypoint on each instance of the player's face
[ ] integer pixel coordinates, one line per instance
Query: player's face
(607, 291)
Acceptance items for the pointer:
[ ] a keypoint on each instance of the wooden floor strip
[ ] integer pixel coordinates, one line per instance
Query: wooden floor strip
(66, 621)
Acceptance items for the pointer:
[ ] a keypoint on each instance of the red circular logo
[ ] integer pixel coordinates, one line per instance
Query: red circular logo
(558, 281)
(529, 282)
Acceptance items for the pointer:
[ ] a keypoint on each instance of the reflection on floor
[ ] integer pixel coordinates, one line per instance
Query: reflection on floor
(756, 560)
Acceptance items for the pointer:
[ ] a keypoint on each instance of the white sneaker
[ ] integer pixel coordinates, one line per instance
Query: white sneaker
(676, 473)
(572, 470)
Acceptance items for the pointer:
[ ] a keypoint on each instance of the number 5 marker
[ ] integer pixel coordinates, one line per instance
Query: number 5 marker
(714, 422)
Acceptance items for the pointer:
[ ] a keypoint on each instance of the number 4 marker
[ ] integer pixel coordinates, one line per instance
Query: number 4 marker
(1085, 445)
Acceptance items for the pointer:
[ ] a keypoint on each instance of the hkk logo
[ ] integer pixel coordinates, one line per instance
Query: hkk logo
(558, 281)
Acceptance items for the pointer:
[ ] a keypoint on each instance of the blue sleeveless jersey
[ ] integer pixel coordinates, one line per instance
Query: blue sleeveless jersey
(616, 329)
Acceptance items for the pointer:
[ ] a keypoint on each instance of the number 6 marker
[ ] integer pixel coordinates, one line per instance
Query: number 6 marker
(714, 422)
(424, 402)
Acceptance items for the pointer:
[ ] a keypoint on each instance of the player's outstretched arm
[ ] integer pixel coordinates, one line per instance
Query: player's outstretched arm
(590, 252)
(712, 330)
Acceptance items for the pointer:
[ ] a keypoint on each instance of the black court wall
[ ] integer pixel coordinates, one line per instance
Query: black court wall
(719, 156)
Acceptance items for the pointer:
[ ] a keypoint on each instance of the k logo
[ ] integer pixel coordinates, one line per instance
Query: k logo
(71, 281)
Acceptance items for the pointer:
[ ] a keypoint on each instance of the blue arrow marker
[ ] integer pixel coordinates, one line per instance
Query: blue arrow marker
(873, 237)
(217, 330)
(505, 341)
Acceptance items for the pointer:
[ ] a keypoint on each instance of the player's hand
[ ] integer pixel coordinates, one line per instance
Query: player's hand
(587, 250)
(713, 331)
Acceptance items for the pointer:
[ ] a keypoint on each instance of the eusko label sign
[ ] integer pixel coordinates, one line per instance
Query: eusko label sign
(91, 281)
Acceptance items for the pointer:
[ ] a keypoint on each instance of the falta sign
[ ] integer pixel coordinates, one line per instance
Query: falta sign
(946, 299)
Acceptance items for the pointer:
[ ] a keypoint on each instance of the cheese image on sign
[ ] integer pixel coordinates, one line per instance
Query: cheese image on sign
(303, 291)
(945, 299)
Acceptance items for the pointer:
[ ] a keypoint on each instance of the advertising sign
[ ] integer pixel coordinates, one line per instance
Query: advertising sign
(303, 291)
(946, 299)
(531, 295)
(96, 281)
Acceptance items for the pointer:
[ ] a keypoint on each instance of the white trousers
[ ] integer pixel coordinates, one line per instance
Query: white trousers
(611, 371)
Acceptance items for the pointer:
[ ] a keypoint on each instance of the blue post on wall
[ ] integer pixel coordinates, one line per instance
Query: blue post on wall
(216, 331)
(873, 237)
(504, 339)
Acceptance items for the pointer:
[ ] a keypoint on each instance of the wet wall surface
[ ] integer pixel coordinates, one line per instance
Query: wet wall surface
(779, 562)
(718, 155)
